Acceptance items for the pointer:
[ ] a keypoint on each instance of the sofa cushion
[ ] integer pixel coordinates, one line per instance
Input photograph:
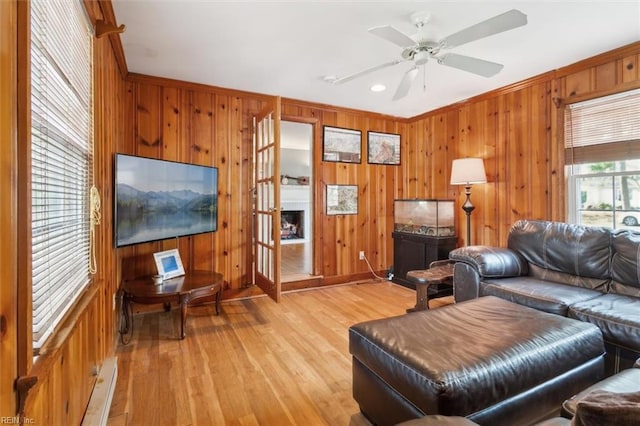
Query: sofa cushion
(563, 247)
(545, 296)
(601, 284)
(616, 315)
(625, 272)
(625, 381)
(602, 408)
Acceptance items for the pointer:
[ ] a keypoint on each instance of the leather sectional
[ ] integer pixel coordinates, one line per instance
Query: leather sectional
(591, 274)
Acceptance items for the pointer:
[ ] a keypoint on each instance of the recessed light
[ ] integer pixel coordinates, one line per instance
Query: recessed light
(378, 88)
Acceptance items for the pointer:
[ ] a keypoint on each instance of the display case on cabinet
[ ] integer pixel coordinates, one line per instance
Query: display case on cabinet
(424, 231)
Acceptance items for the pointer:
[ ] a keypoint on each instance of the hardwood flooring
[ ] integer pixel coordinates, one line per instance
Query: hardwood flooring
(257, 363)
(296, 261)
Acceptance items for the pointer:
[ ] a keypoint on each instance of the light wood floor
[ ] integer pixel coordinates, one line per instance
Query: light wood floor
(258, 363)
(296, 261)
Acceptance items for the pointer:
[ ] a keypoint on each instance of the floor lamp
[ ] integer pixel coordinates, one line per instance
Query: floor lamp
(466, 171)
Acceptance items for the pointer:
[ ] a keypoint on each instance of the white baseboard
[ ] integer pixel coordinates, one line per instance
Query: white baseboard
(97, 412)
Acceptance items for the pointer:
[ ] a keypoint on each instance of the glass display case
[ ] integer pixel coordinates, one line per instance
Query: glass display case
(424, 217)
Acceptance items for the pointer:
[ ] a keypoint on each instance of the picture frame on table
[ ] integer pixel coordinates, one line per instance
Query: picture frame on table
(383, 148)
(341, 145)
(342, 199)
(168, 263)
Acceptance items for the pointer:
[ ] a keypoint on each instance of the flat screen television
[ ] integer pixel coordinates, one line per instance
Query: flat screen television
(160, 199)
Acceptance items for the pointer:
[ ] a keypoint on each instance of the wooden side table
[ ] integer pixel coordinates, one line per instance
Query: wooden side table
(183, 290)
(441, 273)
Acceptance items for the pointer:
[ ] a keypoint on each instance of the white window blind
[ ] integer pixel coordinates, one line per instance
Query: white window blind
(61, 158)
(603, 129)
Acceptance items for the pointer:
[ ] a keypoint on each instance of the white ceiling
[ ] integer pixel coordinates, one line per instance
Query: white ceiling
(285, 47)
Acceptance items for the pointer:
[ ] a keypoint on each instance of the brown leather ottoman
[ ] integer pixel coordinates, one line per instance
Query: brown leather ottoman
(490, 360)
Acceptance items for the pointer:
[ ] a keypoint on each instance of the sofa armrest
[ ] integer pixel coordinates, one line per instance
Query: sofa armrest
(491, 262)
(473, 263)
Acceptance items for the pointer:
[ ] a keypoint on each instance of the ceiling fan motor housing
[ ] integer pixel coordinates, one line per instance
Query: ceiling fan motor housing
(421, 53)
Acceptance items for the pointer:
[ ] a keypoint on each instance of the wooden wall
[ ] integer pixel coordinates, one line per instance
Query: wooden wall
(211, 126)
(196, 124)
(517, 130)
(514, 129)
(65, 371)
(8, 214)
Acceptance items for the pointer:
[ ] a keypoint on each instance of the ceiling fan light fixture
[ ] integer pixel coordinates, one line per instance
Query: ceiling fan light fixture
(378, 88)
(421, 57)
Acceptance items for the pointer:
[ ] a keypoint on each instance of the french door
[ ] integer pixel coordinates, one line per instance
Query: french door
(266, 205)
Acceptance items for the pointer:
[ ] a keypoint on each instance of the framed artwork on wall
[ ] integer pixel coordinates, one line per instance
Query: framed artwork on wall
(342, 199)
(383, 148)
(341, 145)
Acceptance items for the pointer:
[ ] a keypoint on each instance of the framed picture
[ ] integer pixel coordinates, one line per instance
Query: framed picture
(383, 148)
(169, 263)
(342, 199)
(341, 145)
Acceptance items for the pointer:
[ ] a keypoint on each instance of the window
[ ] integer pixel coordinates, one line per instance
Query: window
(61, 159)
(602, 154)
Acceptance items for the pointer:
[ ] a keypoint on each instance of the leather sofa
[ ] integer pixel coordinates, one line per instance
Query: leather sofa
(587, 273)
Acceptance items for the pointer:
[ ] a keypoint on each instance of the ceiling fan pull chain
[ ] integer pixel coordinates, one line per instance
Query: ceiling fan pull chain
(424, 78)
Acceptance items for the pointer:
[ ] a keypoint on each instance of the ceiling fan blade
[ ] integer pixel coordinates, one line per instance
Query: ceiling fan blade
(472, 65)
(504, 22)
(364, 72)
(405, 84)
(393, 35)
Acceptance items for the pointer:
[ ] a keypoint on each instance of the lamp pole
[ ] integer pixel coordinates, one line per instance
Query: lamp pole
(468, 208)
(465, 171)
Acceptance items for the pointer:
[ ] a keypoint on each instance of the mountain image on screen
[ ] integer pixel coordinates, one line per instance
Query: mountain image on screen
(187, 206)
(159, 215)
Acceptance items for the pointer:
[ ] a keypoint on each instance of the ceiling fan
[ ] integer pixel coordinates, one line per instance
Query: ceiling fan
(419, 48)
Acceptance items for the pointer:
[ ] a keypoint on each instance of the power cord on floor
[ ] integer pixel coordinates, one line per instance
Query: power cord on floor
(364, 257)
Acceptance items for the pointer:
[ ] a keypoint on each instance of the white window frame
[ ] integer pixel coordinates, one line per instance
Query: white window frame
(61, 144)
(620, 131)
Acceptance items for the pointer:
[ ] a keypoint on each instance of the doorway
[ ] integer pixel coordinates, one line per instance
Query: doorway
(296, 200)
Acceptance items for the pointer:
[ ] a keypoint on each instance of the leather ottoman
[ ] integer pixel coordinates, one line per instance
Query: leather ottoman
(490, 360)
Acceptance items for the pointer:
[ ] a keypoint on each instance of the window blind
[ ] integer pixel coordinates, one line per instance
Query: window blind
(603, 129)
(61, 159)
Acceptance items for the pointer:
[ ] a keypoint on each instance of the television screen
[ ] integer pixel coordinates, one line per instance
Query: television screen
(159, 199)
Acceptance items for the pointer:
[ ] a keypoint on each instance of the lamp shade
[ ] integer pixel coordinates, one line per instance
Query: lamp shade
(465, 171)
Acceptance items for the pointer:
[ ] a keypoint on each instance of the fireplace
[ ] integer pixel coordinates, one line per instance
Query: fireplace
(292, 225)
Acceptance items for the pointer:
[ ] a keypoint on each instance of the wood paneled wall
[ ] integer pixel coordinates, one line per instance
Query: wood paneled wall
(9, 212)
(517, 131)
(65, 372)
(195, 124)
(206, 125)
(338, 239)
(514, 129)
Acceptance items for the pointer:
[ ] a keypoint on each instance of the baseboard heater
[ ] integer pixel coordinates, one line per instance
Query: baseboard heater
(97, 412)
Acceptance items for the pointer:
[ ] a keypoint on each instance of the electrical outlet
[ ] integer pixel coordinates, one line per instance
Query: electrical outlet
(361, 255)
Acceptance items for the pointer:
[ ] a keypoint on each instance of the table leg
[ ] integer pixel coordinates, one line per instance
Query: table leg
(127, 327)
(422, 297)
(183, 315)
(218, 294)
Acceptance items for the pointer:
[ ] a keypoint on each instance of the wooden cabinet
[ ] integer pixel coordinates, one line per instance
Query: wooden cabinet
(414, 251)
